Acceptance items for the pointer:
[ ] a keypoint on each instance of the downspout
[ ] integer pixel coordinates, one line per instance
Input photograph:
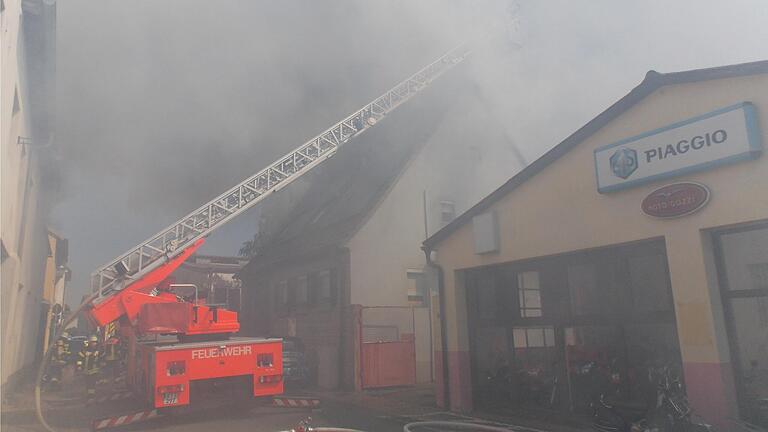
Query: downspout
(443, 325)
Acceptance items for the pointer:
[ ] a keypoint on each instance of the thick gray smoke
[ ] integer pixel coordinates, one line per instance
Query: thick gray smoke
(162, 105)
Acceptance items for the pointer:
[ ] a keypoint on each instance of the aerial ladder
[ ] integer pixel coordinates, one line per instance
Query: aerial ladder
(134, 288)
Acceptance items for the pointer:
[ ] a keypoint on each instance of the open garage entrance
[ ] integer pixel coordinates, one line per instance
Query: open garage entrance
(536, 325)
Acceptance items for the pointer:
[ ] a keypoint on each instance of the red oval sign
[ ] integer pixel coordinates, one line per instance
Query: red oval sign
(676, 200)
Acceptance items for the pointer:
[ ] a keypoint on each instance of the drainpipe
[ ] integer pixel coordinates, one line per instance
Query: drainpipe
(443, 326)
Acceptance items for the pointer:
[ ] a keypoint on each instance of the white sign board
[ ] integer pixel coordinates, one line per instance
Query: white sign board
(724, 136)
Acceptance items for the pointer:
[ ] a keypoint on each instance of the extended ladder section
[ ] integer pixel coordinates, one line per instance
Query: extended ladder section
(173, 240)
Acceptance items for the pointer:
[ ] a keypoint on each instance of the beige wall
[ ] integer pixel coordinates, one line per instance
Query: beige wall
(559, 210)
(23, 225)
(450, 167)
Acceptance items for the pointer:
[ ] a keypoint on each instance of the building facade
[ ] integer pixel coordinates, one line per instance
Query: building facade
(585, 256)
(28, 56)
(345, 270)
(57, 274)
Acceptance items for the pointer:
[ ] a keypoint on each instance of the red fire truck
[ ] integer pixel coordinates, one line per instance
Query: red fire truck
(176, 347)
(179, 347)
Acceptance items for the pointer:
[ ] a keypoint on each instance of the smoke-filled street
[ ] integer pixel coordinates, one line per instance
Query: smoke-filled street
(401, 215)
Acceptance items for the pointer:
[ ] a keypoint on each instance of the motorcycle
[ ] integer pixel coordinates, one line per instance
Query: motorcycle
(505, 384)
(665, 410)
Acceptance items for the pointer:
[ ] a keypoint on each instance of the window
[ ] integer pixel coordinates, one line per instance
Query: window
(417, 287)
(302, 294)
(447, 211)
(534, 349)
(743, 268)
(265, 360)
(530, 294)
(324, 285)
(745, 259)
(533, 337)
(282, 294)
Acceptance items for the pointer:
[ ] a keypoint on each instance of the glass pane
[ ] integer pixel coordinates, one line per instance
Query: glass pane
(282, 292)
(519, 338)
(751, 325)
(746, 259)
(531, 313)
(535, 337)
(549, 335)
(528, 280)
(648, 278)
(324, 284)
(301, 290)
(531, 299)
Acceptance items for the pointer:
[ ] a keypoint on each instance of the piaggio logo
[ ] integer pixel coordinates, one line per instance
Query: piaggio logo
(623, 162)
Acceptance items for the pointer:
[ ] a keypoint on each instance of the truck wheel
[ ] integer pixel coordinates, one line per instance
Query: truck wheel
(242, 393)
(176, 411)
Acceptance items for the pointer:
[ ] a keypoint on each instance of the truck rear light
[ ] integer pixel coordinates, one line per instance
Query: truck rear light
(264, 360)
(270, 379)
(177, 388)
(176, 368)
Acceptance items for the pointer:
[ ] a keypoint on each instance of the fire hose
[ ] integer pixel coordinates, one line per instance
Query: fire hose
(408, 427)
(47, 359)
(449, 425)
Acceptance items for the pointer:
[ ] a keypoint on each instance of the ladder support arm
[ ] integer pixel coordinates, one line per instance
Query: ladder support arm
(175, 240)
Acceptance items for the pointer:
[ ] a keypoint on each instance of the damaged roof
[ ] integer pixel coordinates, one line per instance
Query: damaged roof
(344, 191)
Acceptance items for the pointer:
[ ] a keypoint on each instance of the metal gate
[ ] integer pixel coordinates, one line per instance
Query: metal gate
(387, 348)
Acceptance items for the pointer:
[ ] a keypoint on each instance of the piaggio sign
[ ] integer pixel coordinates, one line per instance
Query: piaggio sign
(675, 200)
(724, 136)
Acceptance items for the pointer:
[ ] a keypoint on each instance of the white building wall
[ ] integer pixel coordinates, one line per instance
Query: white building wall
(22, 229)
(461, 163)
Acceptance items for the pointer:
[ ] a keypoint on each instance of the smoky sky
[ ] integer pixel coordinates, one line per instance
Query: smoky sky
(162, 105)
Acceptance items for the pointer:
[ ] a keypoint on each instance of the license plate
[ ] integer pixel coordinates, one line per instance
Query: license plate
(170, 398)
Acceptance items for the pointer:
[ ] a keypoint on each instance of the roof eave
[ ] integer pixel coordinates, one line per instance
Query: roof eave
(653, 81)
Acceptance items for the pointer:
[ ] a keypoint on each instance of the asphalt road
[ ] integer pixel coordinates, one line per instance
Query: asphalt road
(69, 414)
(266, 419)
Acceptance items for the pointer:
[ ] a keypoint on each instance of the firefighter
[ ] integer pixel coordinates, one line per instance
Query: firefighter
(61, 356)
(88, 363)
(111, 361)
